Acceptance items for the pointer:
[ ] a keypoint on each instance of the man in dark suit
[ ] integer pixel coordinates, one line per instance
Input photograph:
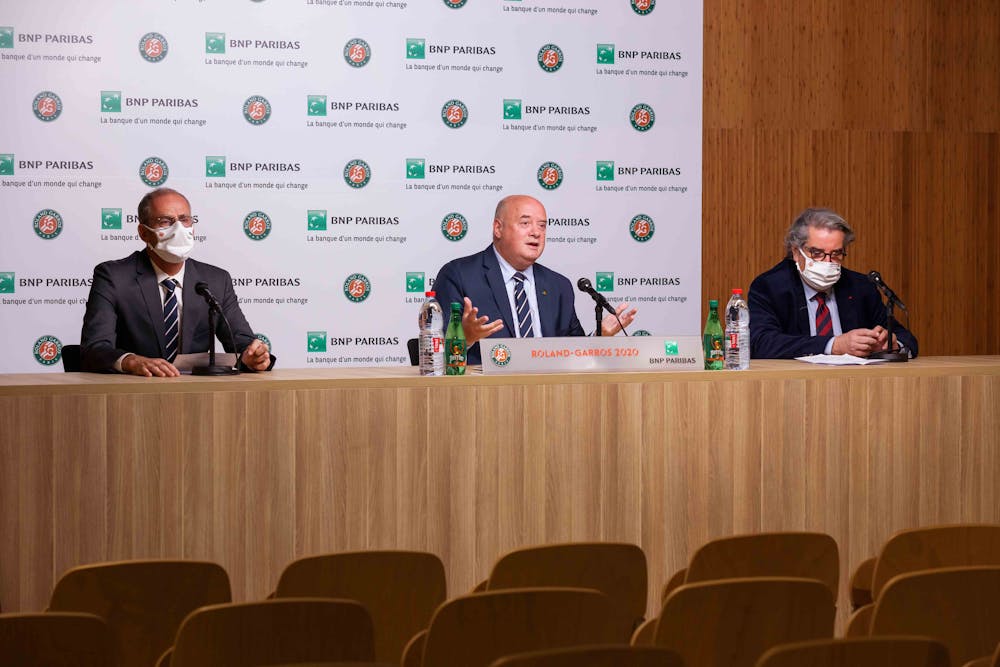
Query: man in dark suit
(143, 309)
(504, 279)
(810, 304)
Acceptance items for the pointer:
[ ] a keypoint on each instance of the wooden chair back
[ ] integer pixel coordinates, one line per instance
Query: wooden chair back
(959, 606)
(400, 589)
(616, 569)
(55, 640)
(474, 630)
(143, 602)
(594, 656)
(287, 630)
(902, 651)
(734, 621)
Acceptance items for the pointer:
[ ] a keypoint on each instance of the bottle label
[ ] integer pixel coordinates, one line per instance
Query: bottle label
(438, 344)
(455, 354)
(734, 340)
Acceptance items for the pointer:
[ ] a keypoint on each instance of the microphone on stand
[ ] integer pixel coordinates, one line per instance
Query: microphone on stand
(876, 278)
(214, 309)
(585, 286)
(891, 300)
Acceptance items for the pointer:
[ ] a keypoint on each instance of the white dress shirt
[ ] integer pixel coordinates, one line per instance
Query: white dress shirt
(508, 271)
(831, 304)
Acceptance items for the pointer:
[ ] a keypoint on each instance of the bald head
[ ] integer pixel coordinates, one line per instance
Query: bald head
(519, 230)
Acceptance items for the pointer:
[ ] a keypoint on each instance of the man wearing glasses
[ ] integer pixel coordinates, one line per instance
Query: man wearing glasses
(143, 310)
(810, 304)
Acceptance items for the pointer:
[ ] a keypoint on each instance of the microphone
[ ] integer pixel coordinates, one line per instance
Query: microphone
(584, 285)
(876, 279)
(202, 289)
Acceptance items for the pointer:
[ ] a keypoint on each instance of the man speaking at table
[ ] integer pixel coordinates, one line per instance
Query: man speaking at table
(143, 310)
(504, 279)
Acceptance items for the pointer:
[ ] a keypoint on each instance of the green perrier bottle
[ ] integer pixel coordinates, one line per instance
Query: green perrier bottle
(715, 356)
(454, 343)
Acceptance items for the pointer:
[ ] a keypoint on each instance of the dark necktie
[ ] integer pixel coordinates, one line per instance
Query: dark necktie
(824, 323)
(170, 328)
(523, 310)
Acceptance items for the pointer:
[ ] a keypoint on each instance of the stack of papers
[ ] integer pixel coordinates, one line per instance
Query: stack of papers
(838, 360)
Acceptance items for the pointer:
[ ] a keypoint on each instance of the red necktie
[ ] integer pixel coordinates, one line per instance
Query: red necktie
(824, 324)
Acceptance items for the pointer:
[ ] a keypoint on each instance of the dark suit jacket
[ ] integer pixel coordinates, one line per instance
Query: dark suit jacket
(124, 312)
(779, 316)
(478, 277)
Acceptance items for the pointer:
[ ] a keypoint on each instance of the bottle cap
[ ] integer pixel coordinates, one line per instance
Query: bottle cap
(455, 305)
(713, 303)
(737, 290)
(430, 295)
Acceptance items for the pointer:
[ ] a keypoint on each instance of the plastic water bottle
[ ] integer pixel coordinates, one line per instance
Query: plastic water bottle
(737, 333)
(431, 343)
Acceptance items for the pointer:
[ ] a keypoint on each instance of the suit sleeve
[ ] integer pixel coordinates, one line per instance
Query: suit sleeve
(768, 339)
(98, 351)
(876, 314)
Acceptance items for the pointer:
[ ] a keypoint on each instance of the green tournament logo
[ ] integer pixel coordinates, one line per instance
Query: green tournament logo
(257, 225)
(642, 117)
(415, 167)
(604, 281)
(455, 4)
(256, 110)
(7, 282)
(111, 218)
(605, 170)
(264, 339)
(215, 166)
(316, 220)
(415, 48)
(153, 171)
(357, 53)
(605, 54)
(641, 228)
(47, 106)
(357, 173)
(512, 109)
(550, 57)
(153, 47)
(111, 101)
(6, 37)
(454, 113)
(641, 332)
(315, 341)
(6, 164)
(357, 287)
(316, 105)
(415, 281)
(643, 7)
(670, 348)
(47, 350)
(215, 42)
(48, 224)
(549, 175)
(500, 355)
(454, 226)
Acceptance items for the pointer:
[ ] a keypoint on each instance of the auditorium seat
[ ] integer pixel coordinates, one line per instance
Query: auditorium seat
(594, 656)
(986, 661)
(400, 589)
(55, 640)
(901, 651)
(143, 602)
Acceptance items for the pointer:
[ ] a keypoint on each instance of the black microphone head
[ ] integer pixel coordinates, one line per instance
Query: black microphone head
(202, 289)
(875, 276)
(583, 284)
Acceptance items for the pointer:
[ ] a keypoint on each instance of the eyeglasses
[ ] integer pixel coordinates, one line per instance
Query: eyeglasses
(164, 221)
(818, 255)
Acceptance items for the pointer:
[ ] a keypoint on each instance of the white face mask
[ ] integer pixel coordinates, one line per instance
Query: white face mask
(821, 276)
(173, 243)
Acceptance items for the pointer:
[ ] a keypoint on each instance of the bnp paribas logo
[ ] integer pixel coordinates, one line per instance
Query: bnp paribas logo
(153, 47)
(549, 175)
(111, 101)
(415, 281)
(604, 281)
(455, 4)
(154, 171)
(415, 48)
(48, 224)
(415, 167)
(316, 105)
(357, 52)
(7, 282)
(47, 106)
(357, 287)
(550, 57)
(316, 220)
(111, 218)
(357, 173)
(47, 350)
(643, 7)
(215, 166)
(641, 228)
(605, 170)
(605, 54)
(454, 113)
(315, 341)
(256, 110)
(6, 37)
(215, 42)
(642, 117)
(454, 226)
(670, 348)
(512, 109)
(6, 164)
(257, 225)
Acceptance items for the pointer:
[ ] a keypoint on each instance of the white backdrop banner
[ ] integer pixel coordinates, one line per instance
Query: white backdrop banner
(337, 152)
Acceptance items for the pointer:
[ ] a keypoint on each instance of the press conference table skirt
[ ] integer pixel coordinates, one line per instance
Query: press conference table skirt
(254, 471)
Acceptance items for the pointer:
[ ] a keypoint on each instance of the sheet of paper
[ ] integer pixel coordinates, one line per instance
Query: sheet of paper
(185, 362)
(838, 360)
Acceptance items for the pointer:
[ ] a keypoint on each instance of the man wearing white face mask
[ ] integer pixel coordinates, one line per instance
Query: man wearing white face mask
(143, 310)
(810, 304)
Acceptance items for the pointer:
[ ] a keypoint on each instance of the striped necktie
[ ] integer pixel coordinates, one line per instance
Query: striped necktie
(824, 324)
(524, 327)
(170, 321)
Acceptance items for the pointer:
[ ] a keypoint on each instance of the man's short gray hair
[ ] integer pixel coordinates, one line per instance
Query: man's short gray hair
(822, 218)
(146, 203)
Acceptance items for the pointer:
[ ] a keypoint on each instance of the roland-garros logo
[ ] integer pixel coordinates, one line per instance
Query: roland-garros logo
(357, 287)
(642, 117)
(153, 47)
(500, 355)
(47, 106)
(455, 4)
(48, 224)
(357, 53)
(256, 110)
(643, 7)
(47, 350)
(357, 173)
(641, 228)
(454, 226)
(454, 113)
(257, 225)
(550, 58)
(153, 171)
(550, 175)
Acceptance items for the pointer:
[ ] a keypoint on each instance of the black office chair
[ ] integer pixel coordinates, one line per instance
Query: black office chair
(71, 358)
(413, 347)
